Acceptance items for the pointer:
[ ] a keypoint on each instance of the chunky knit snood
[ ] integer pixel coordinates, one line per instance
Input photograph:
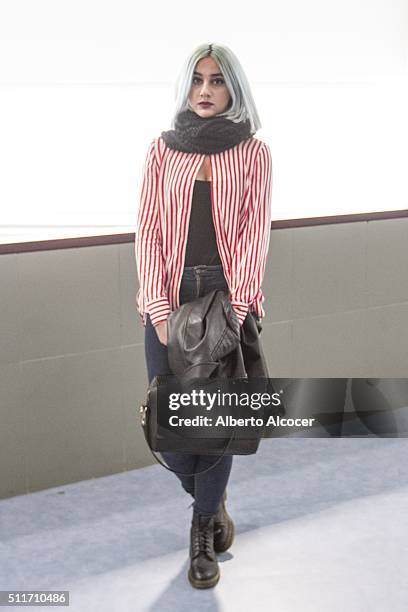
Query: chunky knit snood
(195, 134)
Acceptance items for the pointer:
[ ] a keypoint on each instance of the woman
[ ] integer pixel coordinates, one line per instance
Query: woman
(204, 224)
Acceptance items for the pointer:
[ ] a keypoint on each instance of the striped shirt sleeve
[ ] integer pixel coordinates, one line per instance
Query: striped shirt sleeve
(148, 245)
(249, 259)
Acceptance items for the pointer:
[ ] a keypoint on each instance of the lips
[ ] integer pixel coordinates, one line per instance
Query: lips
(205, 103)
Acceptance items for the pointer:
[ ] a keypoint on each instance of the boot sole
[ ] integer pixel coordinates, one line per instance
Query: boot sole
(229, 540)
(203, 584)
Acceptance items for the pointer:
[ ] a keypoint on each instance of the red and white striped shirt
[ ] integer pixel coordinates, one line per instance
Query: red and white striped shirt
(241, 192)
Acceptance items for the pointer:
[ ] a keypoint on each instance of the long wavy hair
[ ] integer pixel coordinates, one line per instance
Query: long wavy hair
(242, 105)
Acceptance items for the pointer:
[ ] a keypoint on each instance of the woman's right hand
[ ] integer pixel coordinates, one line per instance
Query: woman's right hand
(161, 331)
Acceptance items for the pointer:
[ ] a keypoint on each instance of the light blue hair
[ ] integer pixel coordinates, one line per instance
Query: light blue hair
(242, 106)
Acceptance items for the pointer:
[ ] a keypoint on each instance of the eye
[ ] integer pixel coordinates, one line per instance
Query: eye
(218, 80)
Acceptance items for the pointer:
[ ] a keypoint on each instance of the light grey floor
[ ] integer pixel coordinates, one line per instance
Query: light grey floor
(321, 526)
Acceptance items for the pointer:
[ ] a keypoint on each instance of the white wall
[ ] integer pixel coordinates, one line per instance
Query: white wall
(85, 85)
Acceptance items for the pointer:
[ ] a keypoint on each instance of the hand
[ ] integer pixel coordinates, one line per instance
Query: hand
(161, 331)
(236, 314)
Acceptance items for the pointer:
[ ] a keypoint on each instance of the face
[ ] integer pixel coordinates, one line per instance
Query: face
(208, 85)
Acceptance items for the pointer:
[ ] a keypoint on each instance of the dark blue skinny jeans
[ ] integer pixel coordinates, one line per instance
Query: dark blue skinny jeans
(207, 489)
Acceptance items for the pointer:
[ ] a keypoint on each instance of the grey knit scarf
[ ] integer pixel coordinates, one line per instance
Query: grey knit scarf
(195, 134)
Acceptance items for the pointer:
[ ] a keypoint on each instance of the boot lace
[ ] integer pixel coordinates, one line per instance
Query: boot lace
(207, 541)
(203, 539)
(217, 526)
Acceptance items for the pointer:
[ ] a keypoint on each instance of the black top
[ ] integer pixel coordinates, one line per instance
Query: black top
(201, 242)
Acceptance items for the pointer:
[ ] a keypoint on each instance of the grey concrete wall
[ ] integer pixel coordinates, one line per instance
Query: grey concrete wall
(72, 369)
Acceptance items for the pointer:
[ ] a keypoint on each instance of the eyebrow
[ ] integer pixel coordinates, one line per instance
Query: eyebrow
(213, 75)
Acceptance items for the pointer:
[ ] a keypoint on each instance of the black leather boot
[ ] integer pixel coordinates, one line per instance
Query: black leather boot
(223, 528)
(204, 571)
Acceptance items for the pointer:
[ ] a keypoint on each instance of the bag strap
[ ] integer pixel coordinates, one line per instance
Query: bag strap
(189, 473)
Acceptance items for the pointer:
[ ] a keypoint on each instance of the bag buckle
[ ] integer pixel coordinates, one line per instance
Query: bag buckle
(142, 411)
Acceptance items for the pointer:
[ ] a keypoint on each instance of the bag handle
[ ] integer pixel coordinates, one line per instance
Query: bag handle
(188, 473)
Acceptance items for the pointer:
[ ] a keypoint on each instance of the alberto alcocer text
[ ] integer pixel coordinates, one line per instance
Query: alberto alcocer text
(230, 421)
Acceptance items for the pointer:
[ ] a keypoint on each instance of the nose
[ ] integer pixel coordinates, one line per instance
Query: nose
(204, 90)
